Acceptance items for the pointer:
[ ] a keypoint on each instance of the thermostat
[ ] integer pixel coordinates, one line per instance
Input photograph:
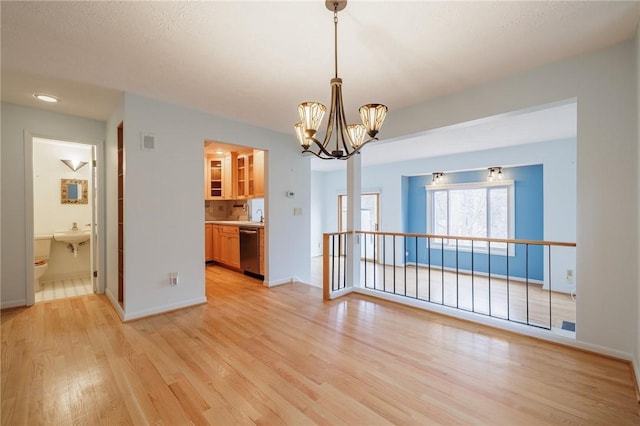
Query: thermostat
(290, 194)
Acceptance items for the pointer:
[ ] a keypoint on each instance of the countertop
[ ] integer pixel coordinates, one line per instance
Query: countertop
(236, 223)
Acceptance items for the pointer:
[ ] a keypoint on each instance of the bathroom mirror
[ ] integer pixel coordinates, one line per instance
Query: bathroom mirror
(74, 191)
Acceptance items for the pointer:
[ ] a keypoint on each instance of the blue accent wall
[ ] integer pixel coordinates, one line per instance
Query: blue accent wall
(529, 225)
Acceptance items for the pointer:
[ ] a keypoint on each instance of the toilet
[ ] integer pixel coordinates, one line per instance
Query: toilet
(41, 252)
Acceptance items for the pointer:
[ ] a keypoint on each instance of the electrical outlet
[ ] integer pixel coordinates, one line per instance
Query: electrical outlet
(173, 278)
(569, 276)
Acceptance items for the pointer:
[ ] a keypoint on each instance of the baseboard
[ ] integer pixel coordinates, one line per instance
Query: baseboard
(478, 273)
(114, 302)
(342, 292)
(273, 283)
(128, 316)
(13, 304)
(501, 324)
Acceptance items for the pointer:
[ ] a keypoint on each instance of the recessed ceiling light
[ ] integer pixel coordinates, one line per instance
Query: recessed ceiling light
(219, 152)
(46, 98)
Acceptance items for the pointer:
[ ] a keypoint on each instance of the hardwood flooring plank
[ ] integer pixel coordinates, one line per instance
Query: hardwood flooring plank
(283, 356)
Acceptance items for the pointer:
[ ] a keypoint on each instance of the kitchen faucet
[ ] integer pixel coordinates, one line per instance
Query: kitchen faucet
(261, 215)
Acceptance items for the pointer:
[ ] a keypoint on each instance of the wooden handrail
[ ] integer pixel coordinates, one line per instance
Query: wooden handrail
(452, 237)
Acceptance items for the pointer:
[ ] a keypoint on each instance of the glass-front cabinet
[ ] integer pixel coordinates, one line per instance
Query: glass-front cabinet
(249, 175)
(234, 175)
(217, 177)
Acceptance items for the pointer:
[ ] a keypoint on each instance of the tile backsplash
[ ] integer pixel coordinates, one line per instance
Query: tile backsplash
(225, 210)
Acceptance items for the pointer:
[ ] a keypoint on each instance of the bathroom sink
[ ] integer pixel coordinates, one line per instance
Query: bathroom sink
(72, 237)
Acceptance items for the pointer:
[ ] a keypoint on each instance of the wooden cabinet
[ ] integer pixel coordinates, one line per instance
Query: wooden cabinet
(217, 184)
(229, 245)
(241, 175)
(235, 175)
(258, 174)
(249, 175)
(222, 244)
(208, 242)
(261, 242)
(216, 243)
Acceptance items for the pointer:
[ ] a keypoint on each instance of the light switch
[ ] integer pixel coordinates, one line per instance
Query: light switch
(297, 211)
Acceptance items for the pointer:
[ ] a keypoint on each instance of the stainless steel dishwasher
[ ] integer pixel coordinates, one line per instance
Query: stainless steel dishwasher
(250, 251)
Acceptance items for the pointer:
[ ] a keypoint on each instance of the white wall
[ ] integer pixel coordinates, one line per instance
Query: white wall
(16, 122)
(604, 83)
(559, 180)
(163, 204)
(637, 72)
(50, 215)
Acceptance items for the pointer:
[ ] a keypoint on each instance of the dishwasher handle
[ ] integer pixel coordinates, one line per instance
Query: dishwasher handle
(248, 231)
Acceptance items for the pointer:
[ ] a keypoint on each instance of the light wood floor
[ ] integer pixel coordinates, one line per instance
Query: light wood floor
(253, 355)
(511, 300)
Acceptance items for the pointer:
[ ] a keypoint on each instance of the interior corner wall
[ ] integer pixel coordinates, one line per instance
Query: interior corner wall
(16, 122)
(164, 218)
(111, 205)
(603, 82)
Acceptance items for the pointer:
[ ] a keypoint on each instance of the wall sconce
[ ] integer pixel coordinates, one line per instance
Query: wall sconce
(495, 173)
(74, 164)
(436, 177)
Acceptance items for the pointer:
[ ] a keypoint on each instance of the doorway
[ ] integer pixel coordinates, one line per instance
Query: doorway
(62, 186)
(369, 221)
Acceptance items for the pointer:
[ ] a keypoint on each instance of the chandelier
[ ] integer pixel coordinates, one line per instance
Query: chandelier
(348, 138)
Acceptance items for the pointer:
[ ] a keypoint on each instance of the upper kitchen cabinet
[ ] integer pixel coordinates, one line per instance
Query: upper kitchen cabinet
(258, 174)
(249, 175)
(217, 184)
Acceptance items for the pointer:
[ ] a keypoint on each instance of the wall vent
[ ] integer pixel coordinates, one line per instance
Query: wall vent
(148, 142)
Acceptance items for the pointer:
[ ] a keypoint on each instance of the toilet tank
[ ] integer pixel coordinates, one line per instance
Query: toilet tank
(42, 246)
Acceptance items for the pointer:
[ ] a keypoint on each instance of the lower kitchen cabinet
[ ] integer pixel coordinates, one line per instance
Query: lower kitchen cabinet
(208, 242)
(226, 245)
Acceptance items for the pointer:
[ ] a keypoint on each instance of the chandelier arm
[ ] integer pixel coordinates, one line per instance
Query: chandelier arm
(347, 143)
(332, 115)
(321, 147)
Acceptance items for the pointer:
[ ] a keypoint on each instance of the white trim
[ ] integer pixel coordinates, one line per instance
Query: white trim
(30, 294)
(342, 292)
(509, 250)
(97, 147)
(115, 304)
(128, 316)
(19, 303)
(500, 324)
(479, 273)
(274, 283)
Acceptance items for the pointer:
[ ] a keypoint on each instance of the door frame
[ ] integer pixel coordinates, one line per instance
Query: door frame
(377, 194)
(98, 251)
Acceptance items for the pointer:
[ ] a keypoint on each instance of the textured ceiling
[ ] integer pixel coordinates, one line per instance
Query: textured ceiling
(255, 61)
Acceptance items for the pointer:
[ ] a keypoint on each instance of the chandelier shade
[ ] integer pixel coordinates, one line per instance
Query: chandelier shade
(347, 139)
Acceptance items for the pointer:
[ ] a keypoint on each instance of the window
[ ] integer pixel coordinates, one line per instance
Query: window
(484, 209)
